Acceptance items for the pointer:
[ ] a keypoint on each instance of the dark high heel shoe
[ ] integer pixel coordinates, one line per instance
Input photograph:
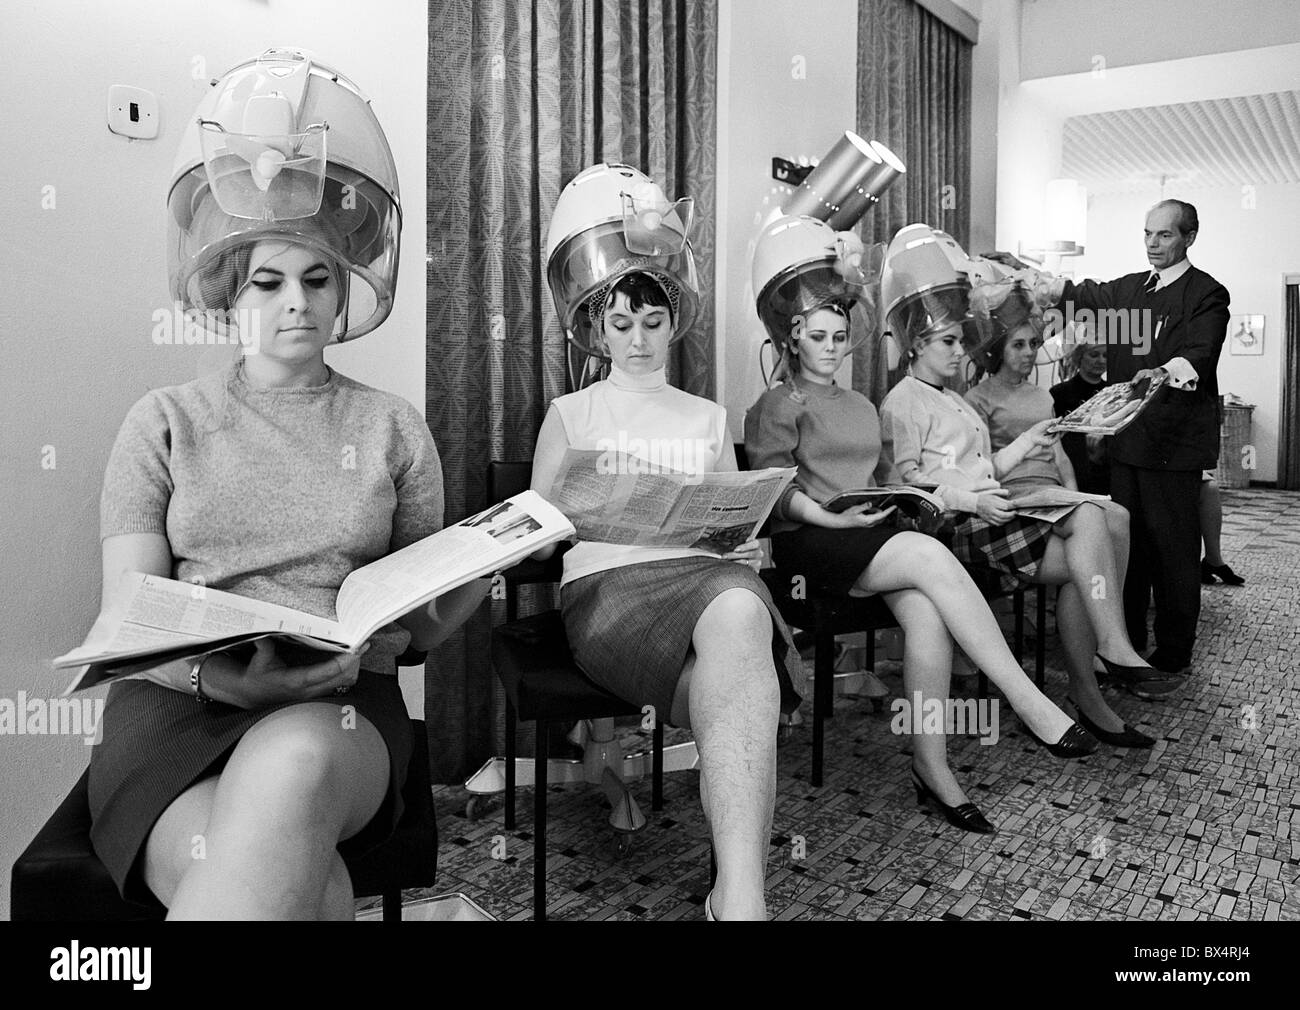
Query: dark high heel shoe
(1075, 742)
(1229, 577)
(967, 816)
(1143, 681)
(1128, 737)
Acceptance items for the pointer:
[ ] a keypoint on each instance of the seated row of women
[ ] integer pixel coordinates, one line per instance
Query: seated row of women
(248, 751)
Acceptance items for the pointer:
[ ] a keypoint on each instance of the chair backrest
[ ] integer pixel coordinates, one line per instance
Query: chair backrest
(506, 478)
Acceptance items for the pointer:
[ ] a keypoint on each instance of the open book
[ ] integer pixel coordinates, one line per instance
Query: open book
(617, 498)
(916, 507)
(1111, 410)
(162, 619)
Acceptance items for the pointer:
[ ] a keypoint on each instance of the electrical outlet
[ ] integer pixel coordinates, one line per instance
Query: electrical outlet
(132, 112)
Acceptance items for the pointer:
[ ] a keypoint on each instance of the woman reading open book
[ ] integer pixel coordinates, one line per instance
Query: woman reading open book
(227, 784)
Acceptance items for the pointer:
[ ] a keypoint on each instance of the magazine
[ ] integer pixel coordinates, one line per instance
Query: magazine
(616, 498)
(162, 619)
(1111, 410)
(916, 506)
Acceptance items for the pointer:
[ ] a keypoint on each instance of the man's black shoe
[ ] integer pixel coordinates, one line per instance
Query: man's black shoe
(1165, 663)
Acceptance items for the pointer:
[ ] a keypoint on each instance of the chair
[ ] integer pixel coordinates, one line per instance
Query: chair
(59, 878)
(543, 683)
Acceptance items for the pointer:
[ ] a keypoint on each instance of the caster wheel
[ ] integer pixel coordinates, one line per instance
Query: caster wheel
(476, 808)
(622, 845)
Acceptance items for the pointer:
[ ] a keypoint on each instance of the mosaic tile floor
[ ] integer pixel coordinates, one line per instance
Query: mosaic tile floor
(1206, 825)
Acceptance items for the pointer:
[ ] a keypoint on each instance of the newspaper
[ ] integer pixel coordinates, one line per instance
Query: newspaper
(616, 498)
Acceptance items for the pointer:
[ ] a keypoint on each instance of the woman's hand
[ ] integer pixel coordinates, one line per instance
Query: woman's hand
(749, 553)
(992, 507)
(858, 517)
(267, 680)
(1040, 436)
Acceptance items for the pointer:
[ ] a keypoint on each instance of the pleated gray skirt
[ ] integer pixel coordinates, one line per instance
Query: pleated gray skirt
(630, 627)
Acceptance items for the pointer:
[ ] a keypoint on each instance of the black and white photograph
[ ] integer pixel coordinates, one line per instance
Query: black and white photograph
(291, 286)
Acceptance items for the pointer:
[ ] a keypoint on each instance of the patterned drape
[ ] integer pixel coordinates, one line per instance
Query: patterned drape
(914, 96)
(1288, 449)
(523, 96)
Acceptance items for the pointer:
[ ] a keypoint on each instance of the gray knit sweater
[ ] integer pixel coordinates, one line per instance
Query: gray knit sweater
(276, 494)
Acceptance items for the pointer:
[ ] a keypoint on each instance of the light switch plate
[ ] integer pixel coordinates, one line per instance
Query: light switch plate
(132, 112)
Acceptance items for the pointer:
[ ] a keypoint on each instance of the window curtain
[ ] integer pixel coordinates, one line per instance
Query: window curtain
(523, 96)
(914, 96)
(1288, 449)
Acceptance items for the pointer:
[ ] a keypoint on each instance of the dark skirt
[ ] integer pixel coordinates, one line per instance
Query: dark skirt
(1014, 548)
(630, 627)
(158, 742)
(829, 561)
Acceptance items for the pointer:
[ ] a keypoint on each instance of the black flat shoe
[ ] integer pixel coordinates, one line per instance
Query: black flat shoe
(1229, 577)
(1146, 682)
(1076, 742)
(1128, 737)
(967, 816)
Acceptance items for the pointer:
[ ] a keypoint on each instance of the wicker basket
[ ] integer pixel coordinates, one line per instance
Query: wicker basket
(1234, 436)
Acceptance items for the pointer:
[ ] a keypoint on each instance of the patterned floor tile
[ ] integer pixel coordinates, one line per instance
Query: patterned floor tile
(1204, 826)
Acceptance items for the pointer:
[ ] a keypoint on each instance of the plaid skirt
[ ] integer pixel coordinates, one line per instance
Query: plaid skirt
(1015, 548)
(630, 628)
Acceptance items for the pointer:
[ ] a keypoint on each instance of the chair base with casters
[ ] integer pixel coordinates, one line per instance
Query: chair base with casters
(58, 878)
(544, 685)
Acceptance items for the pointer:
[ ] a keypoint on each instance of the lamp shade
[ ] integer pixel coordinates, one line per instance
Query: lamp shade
(1067, 217)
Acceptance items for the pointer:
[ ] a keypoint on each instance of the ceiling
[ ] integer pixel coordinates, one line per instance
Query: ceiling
(1246, 140)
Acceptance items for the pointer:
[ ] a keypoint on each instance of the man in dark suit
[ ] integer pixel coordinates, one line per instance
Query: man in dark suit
(1177, 320)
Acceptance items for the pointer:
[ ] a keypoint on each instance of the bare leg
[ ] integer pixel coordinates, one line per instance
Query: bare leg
(729, 697)
(1080, 645)
(1080, 553)
(1210, 505)
(927, 664)
(915, 561)
(259, 841)
(1117, 525)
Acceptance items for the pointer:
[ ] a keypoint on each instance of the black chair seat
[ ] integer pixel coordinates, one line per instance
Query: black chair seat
(532, 658)
(59, 877)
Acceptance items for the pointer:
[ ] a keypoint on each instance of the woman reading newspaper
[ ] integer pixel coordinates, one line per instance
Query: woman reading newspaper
(931, 434)
(807, 285)
(274, 761)
(690, 632)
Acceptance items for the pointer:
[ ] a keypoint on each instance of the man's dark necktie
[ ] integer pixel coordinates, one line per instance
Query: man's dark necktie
(1152, 281)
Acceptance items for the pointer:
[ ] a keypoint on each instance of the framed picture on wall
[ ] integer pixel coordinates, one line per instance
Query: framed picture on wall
(1246, 335)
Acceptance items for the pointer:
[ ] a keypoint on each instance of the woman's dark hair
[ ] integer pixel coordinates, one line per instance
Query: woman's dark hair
(641, 290)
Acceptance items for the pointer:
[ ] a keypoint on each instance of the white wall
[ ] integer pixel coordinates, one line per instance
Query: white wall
(1071, 36)
(770, 109)
(1247, 250)
(83, 278)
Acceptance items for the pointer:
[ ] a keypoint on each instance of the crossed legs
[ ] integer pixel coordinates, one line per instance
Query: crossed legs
(258, 841)
(1087, 556)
